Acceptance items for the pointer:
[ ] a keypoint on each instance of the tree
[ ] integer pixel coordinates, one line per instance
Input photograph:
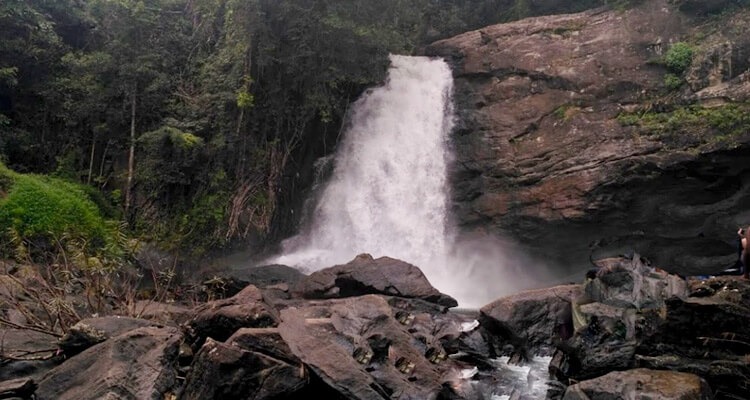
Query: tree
(143, 39)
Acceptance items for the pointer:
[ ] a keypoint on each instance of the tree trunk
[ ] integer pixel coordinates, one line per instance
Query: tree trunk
(104, 159)
(131, 156)
(91, 158)
(246, 68)
(240, 170)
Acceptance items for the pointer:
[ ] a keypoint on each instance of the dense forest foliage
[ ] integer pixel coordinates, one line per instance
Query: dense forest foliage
(195, 121)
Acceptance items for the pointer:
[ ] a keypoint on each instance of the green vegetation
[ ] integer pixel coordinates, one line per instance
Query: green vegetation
(704, 124)
(566, 111)
(189, 116)
(673, 82)
(679, 57)
(44, 214)
(677, 60)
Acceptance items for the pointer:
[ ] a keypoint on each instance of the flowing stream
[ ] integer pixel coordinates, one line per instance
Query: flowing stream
(388, 192)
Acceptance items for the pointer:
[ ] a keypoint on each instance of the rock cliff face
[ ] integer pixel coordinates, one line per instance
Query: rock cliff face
(572, 138)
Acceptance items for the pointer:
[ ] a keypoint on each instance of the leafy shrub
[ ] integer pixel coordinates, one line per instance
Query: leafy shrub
(169, 160)
(627, 119)
(679, 57)
(672, 81)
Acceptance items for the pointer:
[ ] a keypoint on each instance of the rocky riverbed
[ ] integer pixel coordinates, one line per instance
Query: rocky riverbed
(377, 329)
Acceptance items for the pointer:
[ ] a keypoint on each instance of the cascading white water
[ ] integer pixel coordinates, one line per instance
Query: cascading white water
(388, 194)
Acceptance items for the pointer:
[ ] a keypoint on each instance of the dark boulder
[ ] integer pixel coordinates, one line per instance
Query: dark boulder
(91, 331)
(18, 388)
(635, 316)
(641, 384)
(700, 328)
(616, 312)
(706, 334)
(365, 275)
(220, 319)
(531, 320)
(365, 349)
(630, 282)
(266, 341)
(728, 378)
(222, 371)
(164, 313)
(139, 364)
(26, 354)
(269, 275)
(704, 7)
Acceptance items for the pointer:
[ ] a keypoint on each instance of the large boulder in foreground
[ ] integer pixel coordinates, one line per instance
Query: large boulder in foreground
(365, 275)
(365, 349)
(622, 300)
(140, 364)
(223, 371)
(17, 388)
(220, 319)
(730, 378)
(23, 348)
(705, 334)
(90, 331)
(641, 384)
(532, 319)
(267, 341)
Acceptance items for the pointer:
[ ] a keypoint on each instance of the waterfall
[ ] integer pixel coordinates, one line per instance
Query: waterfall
(388, 193)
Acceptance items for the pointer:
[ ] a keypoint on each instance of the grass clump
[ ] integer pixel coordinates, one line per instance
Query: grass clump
(43, 214)
(7, 178)
(706, 124)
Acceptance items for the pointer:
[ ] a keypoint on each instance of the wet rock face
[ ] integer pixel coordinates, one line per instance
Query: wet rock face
(542, 156)
(533, 319)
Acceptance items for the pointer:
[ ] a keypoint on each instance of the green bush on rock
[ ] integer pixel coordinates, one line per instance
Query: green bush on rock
(706, 124)
(672, 81)
(679, 57)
